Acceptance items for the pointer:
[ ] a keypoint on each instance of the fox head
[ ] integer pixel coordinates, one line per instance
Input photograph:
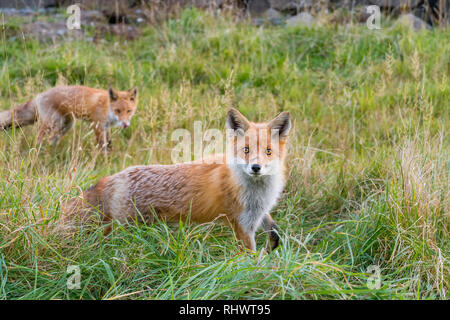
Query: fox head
(257, 149)
(122, 106)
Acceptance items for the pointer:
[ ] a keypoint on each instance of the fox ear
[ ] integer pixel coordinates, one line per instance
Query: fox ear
(133, 93)
(236, 121)
(281, 123)
(113, 94)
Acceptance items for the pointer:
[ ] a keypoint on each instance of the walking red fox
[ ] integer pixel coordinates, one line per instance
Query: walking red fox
(57, 108)
(241, 189)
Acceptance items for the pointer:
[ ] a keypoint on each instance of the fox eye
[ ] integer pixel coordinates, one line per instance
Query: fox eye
(129, 111)
(246, 150)
(118, 111)
(269, 151)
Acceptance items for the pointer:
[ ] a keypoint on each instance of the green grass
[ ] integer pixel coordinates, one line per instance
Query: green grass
(368, 162)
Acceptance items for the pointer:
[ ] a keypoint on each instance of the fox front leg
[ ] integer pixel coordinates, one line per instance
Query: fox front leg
(103, 137)
(269, 226)
(108, 139)
(244, 236)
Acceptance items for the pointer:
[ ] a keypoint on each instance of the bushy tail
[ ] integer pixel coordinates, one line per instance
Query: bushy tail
(19, 116)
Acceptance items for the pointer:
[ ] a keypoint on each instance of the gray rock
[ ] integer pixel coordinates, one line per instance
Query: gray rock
(208, 3)
(303, 18)
(403, 4)
(45, 31)
(257, 7)
(290, 5)
(272, 14)
(384, 4)
(17, 12)
(412, 21)
(89, 17)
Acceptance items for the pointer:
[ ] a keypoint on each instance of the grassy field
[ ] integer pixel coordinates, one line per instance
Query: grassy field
(368, 162)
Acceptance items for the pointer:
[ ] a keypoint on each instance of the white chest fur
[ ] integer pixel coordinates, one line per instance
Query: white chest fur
(259, 195)
(113, 120)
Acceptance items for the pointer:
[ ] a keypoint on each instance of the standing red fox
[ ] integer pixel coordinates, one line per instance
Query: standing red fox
(240, 190)
(57, 108)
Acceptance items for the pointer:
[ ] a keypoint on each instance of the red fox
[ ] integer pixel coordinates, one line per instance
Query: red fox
(240, 190)
(57, 108)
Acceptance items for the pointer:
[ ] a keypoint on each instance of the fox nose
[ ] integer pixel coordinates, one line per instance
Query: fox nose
(256, 168)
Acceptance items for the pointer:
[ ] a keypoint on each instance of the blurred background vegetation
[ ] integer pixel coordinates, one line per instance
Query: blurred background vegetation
(368, 155)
